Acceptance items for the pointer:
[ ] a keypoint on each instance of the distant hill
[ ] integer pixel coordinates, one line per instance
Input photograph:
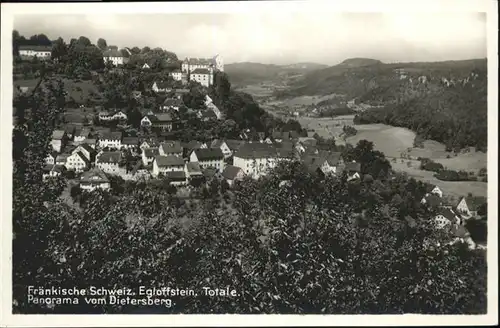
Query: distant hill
(443, 101)
(249, 73)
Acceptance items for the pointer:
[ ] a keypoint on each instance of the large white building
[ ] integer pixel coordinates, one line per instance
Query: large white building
(114, 56)
(77, 162)
(109, 162)
(256, 159)
(215, 63)
(208, 158)
(40, 52)
(111, 140)
(165, 164)
(204, 76)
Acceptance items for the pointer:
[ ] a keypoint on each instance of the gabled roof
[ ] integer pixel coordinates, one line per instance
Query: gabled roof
(130, 141)
(58, 134)
(193, 144)
(234, 144)
(231, 171)
(171, 147)
(163, 117)
(151, 152)
(206, 154)
(353, 167)
(62, 157)
(47, 167)
(94, 176)
(84, 132)
(112, 136)
(199, 61)
(164, 161)
(59, 168)
(201, 71)
(86, 147)
(473, 203)
(161, 84)
(35, 48)
(193, 168)
(209, 172)
(262, 150)
(447, 213)
(83, 158)
(112, 157)
(112, 53)
(175, 102)
(433, 200)
(217, 143)
(209, 114)
(89, 141)
(176, 175)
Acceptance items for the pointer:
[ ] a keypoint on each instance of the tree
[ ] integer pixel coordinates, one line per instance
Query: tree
(84, 42)
(102, 44)
(59, 49)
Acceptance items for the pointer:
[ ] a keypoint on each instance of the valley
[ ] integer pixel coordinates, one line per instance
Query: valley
(284, 98)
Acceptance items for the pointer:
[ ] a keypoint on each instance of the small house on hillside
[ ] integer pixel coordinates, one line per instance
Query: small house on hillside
(148, 155)
(164, 164)
(171, 148)
(210, 157)
(468, 206)
(94, 179)
(353, 170)
(233, 173)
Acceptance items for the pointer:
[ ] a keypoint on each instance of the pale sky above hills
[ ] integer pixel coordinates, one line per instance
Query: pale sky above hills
(281, 37)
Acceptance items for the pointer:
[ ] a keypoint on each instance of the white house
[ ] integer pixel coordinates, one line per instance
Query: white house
(40, 52)
(164, 164)
(215, 109)
(52, 171)
(112, 116)
(214, 63)
(58, 140)
(221, 144)
(434, 190)
(114, 56)
(233, 173)
(467, 206)
(162, 121)
(148, 155)
(328, 163)
(94, 179)
(160, 86)
(210, 157)
(86, 150)
(353, 170)
(446, 217)
(77, 162)
(176, 75)
(203, 76)
(109, 162)
(83, 134)
(171, 148)
(256, 159)
(51, 158)
(112, 140)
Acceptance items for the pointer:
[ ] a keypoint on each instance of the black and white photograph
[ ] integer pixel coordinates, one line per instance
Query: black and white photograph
(263, 158)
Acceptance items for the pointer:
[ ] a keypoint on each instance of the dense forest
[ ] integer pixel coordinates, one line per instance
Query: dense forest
(291, 242)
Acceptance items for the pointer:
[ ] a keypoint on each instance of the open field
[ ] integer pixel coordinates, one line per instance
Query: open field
(394, 141)
(303, 100)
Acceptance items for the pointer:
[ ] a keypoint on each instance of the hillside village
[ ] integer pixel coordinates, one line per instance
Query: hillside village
(174, 176)
(91, 158)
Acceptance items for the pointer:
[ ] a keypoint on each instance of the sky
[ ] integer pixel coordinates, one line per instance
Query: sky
(280, 37)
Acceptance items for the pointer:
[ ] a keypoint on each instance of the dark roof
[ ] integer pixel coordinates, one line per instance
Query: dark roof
(112, 53)
(447, 213)
(429, 187)
(84, 132)
(112, 136)
(216, 143)
(172, 102)
(209, 172)
(161, 84)
(199, 61)
(86, 147)
(353, 167)
(82, 156)
(59, 168)
(48, 167)
(201, 71)
(262, 150)
(95, 175)
(58, 134)
(109, 157)
(231, 171)
(234, 144)
(130, 140)
(433, 200)
(163, 117)
(89, 141)
(181, 90)
(35, 48)
(176, 175)
(163, 161)
(473, 203)
(206, 154)
(193, 168)
(151, 152)
(171, 147)
(193, 144)
(210, 114)
(313, 162)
